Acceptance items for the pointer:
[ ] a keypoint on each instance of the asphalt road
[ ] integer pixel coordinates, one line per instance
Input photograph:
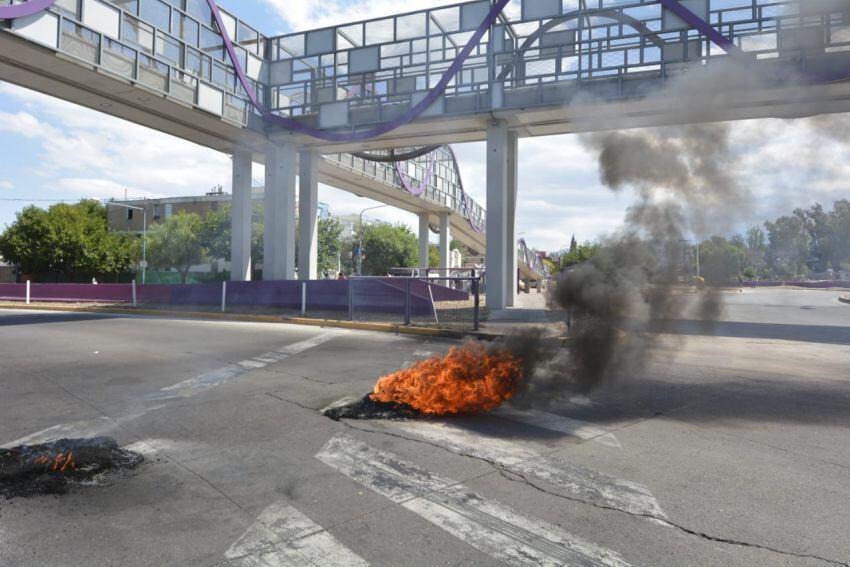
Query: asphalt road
(730, 449)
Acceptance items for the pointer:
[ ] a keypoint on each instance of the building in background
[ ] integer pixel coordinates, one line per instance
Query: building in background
(350, 222)
(130, 220)
(122, 219)
(8, 273)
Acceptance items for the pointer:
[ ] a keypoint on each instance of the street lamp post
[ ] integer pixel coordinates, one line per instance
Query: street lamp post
(360, 238)
(144, 210)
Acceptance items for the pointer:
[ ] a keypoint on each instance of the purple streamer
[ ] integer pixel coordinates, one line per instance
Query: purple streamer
(465, 207)
(702, 26)
(416, 191)
(409, 116)
(23, 10)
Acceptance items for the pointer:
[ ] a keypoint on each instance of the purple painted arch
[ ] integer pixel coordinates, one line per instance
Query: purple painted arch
(23, 10)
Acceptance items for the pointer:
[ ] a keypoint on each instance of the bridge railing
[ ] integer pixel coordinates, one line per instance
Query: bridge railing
(433, 177)
(173, 48)
(540, 53)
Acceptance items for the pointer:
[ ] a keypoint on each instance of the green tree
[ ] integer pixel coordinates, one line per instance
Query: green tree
(330, 245)
(27, 242)
(840, 244)
(720, 260)
(433, 256)
(755, 238)
(582, 253)
(69, 241)
(177, 243)
(387, 246)
(816, 223)
(216, 233)
(788, 248)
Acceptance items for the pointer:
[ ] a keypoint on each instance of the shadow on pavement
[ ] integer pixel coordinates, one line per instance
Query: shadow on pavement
(826, 334)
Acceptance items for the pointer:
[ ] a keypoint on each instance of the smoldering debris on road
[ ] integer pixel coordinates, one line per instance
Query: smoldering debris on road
(367, 408)
(55, 467)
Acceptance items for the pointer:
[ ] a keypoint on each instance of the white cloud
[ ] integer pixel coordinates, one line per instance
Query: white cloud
(82, 144)
(309, 14)
(101, 189)
(6, 184)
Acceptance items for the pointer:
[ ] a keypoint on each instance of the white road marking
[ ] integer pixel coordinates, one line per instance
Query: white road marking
(186, 388)
(486, 525)
(584, 430)
(283, 536)
(167, 447)
(83, 428)
(423, 353)
(231, 372)
(589, 485)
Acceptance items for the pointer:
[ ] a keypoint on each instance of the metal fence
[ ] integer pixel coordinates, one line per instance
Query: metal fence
(448, 302)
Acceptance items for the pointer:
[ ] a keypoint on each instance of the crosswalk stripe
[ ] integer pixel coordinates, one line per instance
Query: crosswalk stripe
(587, 484)
(231, 372)
(283, 536)
(486, 525)
(584, 430)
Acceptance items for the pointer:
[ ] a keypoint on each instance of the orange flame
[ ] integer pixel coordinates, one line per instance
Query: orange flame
(59, 463)
(470, 379)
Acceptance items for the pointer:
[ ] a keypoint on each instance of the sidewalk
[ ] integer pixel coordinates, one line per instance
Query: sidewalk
(529, 313)
(380, 327)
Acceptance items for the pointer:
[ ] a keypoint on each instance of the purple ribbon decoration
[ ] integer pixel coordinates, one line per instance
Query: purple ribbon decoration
(408, 185)
(409, 116)
(702, 26)
(23, 10)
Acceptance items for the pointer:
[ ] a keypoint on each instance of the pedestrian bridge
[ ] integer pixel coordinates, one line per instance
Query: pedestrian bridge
(492, 70)
(121, 78)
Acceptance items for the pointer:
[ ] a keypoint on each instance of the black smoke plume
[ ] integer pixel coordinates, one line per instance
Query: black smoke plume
(633, 293)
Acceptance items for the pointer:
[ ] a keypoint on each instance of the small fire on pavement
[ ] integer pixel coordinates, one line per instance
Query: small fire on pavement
(51, 468)
(470, 379)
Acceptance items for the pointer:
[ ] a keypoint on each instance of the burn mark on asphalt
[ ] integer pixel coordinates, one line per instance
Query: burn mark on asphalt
(58, 466)
(367, 408)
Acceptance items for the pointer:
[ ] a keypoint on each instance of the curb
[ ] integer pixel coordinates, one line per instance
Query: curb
(331, 323)
(844, 299)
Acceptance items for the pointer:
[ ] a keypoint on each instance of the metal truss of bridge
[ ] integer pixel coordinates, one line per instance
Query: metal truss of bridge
(493, 70)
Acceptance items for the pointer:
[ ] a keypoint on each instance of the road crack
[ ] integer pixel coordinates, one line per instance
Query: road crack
(293, 402)
(514, 476)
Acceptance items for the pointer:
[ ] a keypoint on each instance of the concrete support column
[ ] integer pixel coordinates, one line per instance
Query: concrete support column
(240, 219)
(445, 240)
(510, 220)
(497, 196)
(308, 209)
(424, 239)
(279, 238)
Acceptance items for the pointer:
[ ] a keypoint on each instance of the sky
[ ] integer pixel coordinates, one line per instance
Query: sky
(52, 150)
